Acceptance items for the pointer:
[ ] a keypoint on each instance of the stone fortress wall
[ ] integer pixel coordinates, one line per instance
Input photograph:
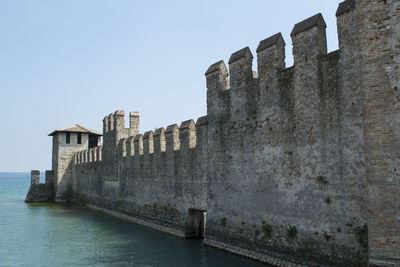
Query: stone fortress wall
(157, 176)
(292, 165)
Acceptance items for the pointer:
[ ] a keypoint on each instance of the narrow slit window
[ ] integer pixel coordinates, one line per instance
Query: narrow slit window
(79, 138)
(68, 138)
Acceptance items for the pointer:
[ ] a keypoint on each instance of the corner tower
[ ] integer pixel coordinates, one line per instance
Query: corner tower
(66, 142)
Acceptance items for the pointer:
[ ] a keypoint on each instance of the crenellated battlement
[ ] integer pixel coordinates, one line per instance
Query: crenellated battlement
(115, 122)
(174, 138)
(159, 140)
(187, 134)
(138, 145)
(88, 155)
(309, 42)
(274, 92)
(270, 56)
(148, 145)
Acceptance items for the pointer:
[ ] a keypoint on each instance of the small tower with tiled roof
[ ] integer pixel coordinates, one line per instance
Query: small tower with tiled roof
(66, 142)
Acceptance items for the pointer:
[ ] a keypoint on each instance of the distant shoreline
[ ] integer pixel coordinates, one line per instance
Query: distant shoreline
(13, 174)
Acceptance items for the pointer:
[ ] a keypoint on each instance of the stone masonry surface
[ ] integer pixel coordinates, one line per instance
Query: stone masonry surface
(293, 166)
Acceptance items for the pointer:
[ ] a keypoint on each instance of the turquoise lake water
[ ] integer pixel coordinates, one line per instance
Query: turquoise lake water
(71, 235)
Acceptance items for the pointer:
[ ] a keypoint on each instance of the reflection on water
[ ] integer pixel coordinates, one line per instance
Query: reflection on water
(71, 235)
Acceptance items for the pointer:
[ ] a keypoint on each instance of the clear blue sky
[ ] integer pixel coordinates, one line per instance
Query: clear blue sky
(74, 61)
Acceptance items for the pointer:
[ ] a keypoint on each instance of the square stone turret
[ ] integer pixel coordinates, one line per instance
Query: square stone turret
(66, 142)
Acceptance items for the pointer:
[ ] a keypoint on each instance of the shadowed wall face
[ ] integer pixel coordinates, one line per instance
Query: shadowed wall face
(379, 34)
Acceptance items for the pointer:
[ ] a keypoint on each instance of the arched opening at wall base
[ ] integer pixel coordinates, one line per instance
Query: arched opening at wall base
(195, 224)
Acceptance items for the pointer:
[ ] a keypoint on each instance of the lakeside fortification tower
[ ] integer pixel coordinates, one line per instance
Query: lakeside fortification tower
(66, 142)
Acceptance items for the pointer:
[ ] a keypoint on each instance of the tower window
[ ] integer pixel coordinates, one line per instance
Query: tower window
(68, 138)
(79, 138)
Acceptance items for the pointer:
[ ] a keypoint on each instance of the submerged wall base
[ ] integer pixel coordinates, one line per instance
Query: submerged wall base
(155, 226)
(276, 261)
(263, 257)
